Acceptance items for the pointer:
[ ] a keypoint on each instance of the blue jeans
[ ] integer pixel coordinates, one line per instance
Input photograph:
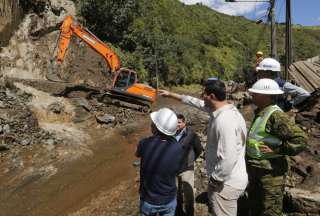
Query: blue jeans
(147, 209)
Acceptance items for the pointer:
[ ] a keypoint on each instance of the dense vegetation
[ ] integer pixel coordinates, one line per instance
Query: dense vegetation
(186, 44)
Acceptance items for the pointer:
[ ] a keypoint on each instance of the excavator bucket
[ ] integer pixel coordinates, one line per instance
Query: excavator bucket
(54, 72)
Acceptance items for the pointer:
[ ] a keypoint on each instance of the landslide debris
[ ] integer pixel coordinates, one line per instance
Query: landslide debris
(26, 149)
(18, 125)
(27, 55)
(303, 193)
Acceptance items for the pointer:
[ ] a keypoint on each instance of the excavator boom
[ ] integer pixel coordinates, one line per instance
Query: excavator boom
(68, 28)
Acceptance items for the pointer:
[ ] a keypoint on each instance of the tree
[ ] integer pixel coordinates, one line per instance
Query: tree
(110, 20)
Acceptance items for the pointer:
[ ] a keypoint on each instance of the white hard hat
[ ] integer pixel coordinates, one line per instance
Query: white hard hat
(268, 64)
(165, 120)
(266, 86)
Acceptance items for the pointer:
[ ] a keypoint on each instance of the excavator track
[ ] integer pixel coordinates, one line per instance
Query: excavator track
(129, 101)
(115, 97)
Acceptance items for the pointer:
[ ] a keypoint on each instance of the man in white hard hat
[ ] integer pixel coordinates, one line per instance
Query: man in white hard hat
(273, 136)
(160, 156)
(270, 68)
(225, 149)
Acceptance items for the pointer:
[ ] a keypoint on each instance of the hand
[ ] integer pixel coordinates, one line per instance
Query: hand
(164, 93)
(216, 185)
(265, 149)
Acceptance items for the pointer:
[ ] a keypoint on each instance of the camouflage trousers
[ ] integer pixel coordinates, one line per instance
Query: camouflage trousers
(265, 192)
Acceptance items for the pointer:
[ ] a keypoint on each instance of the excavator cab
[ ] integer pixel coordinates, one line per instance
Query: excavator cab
(125, 78)
(126, 86)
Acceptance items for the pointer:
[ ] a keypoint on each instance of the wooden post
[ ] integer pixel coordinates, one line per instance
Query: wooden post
(288, 39)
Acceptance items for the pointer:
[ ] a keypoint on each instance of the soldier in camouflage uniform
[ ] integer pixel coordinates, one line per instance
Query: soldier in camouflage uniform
(272, 138)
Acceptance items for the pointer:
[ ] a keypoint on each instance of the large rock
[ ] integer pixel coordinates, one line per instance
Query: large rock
(303, 201)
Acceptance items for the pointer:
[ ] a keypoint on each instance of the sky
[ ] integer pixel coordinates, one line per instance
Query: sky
(303, 12)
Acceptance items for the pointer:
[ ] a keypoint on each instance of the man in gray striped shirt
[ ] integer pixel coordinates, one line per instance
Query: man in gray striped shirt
(225, 149)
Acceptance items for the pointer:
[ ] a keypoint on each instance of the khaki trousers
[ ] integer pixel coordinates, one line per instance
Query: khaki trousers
(223, 201)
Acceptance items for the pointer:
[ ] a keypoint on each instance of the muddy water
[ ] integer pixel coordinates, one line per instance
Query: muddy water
(76, 183)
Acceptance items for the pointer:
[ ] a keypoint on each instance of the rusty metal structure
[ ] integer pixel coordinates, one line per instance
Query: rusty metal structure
(306, 73)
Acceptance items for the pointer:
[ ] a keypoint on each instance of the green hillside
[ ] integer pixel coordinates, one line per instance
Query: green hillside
(186, 43)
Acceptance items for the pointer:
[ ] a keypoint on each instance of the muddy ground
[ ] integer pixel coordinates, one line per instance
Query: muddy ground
(99, 180)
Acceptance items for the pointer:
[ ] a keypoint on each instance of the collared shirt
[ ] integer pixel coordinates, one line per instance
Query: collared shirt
(225, 149)
(180, 134)
(297, 93)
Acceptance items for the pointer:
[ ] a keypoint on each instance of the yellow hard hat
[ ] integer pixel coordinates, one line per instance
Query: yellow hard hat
(259, 53)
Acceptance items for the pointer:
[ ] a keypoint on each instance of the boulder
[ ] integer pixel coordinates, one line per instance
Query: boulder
(105, 119)
(302, 201)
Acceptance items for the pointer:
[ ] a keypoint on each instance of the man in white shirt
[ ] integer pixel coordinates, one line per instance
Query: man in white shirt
(225, 150)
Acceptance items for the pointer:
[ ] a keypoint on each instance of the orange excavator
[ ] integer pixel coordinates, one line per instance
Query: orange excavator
(125, 86)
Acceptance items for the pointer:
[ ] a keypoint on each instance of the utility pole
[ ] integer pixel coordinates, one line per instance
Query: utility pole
(288, 58)
(273, 31)
(157, 73)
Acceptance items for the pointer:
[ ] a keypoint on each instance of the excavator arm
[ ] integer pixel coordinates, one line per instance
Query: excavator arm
(69, 28)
